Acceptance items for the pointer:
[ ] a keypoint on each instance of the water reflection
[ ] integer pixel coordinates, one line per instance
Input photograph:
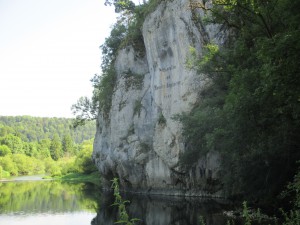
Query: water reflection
(47, 203)
(61, 203)
(45, 197)
(160, 210)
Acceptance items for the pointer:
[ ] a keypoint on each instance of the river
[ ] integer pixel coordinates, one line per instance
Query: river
(65, 203)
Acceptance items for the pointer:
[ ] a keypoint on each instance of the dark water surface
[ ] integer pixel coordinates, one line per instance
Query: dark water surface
(65, 203)
(164, 210)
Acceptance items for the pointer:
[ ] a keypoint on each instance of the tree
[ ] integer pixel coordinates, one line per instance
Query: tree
(5, 130)
(8, 165)
(121, 5)
(84, 110)
(83, 162)
(30, 149)
(24, 163)
(250, 111)
(44, 148)
(38, 166)
(51, 167)
(68, 145)
(14, 143)
(56, 147)
(4, 150)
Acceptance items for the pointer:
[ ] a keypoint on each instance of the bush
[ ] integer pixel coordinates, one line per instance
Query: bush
(83, 162)
(4, 150)
(3, 173)
(24, 164)
(8, 164)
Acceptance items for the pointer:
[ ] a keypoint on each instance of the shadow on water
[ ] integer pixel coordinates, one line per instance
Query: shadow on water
(162, 210)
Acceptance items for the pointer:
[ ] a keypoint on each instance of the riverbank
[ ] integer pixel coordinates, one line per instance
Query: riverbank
(74, 177)
(23, 178)
(93, 177)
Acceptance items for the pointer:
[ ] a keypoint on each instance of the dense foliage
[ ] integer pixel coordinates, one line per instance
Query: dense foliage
(250, 112)
(44, 146)
(37, 128)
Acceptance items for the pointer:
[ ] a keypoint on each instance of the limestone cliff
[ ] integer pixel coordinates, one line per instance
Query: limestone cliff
(140, 142)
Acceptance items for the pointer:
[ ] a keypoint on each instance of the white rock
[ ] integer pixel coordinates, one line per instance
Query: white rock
(133, 145)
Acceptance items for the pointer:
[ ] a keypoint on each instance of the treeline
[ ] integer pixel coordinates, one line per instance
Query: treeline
(250, 111)
(46, 153)
(31, 129)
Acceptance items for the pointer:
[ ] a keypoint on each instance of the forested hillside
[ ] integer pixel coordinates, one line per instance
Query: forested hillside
(31, 145)
(37, 128)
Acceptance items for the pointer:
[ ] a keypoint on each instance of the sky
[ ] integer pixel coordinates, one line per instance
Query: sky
(49, 51)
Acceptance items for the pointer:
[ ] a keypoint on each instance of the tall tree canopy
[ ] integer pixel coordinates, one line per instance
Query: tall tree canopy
(250, 112)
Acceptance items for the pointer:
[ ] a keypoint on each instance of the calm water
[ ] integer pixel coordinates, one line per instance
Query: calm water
(63, 203)
(47, 202)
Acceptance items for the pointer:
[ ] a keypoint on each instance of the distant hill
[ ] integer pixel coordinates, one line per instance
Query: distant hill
(31, 129)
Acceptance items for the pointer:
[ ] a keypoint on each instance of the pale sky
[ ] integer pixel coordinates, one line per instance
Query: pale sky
(49, 51)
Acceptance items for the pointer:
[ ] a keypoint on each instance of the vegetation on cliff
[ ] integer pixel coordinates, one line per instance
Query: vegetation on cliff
(125, 32)
(250, 112)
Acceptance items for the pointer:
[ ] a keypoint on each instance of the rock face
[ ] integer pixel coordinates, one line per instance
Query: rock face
(140, 142)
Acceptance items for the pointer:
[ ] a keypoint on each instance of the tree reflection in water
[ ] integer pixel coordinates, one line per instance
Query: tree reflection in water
(46, 196)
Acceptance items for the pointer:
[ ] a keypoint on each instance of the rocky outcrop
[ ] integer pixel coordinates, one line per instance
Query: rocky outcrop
(140, 142)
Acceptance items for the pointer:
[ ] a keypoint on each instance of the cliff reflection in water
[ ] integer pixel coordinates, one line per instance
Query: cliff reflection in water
(162, 210)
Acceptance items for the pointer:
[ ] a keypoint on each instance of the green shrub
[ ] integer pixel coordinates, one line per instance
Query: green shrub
(121, 204)
(9, 165)
(161, 120)
(4, 150)
(137, 108)
(3, 173)
(133, 80)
